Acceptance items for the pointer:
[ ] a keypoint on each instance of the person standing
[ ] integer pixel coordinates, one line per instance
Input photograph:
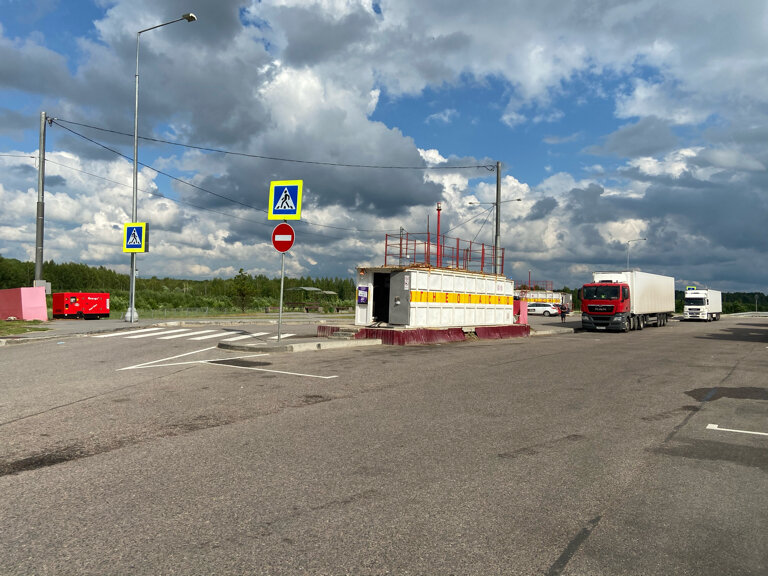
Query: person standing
(562, 313)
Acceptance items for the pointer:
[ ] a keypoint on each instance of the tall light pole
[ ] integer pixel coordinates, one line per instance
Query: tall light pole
(628, 245)
(40, 203)
(131, 315)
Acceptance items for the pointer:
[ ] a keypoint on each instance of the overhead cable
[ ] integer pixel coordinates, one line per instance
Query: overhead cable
(180, 180)
(489, 167)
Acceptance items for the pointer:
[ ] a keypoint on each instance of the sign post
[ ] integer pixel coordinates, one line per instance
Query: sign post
(282, 239)
(284, 204)
(135, 240)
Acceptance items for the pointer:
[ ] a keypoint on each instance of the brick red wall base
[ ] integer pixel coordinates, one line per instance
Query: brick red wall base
(413, 336)
(495, 332)
(439, 335)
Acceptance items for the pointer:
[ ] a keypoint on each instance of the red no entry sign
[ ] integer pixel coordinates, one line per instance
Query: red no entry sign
(283, 237)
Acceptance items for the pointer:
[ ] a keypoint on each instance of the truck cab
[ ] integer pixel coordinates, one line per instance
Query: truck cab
(704, 305)
(605, 305)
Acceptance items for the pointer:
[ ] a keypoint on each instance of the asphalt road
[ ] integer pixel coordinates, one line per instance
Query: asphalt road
(584, 453)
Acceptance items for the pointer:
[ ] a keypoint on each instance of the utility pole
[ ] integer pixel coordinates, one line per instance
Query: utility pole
(40, 203)
(497, 239)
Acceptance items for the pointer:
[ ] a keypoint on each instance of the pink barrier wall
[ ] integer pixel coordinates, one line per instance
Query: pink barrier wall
(521, 309)
(24, 304)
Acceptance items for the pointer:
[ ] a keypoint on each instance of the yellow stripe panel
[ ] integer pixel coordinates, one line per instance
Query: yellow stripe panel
(419, 296)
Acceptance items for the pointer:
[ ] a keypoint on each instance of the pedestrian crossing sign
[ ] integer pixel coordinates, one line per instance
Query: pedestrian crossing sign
(136, 237)
(285, 200)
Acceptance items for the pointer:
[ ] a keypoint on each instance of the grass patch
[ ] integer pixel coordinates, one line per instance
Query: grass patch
(13, 327)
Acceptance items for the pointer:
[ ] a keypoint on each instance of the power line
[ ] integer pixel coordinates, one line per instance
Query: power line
(204, 190)
(155, 194)
(489, 167)
(209, 191)
(179, 201)
(91, 140)
(482, 225)
(488, 211)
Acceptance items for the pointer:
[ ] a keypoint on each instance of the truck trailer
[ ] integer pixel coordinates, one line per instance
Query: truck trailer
(88, 305)
(704, 305)
(627, 300)
(546, 296)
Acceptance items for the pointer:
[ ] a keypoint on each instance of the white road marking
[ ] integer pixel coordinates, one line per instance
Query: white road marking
(716, 427)
(215, 335)
(147, 364)
(155, 365)
(217, 362)
(185, 335)
(281, 336)
(273, 371)
(124, 333)
(151, 334)
(244, 336)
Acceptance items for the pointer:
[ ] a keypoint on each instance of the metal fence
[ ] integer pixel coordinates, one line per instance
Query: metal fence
(429, 250)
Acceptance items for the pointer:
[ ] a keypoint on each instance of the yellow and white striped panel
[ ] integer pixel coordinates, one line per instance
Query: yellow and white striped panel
(427, 296)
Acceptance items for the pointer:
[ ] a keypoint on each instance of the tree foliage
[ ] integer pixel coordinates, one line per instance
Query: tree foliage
(242, 292)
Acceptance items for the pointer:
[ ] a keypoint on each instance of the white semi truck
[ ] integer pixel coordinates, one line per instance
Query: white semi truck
(627, 300)
(704, 305)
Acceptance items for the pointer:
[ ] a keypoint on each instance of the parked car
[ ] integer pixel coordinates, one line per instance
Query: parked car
(543, 309)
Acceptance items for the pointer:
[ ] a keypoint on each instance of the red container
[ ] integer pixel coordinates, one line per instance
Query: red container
(89, 305)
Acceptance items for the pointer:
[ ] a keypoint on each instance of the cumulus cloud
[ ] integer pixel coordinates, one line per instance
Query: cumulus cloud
(647, 137)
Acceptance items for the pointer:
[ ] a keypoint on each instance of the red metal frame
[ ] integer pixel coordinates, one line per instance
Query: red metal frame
(545, 285)
(417, 249)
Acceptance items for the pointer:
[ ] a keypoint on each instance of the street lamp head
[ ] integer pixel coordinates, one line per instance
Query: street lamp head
(189, 17)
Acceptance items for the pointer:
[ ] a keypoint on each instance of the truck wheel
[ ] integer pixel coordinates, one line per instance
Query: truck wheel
(640, 323)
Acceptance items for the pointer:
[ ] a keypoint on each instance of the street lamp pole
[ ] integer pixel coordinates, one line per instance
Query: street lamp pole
(628, 244)
(131, 316)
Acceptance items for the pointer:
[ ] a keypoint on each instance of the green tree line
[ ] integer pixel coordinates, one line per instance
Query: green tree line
(242, 292)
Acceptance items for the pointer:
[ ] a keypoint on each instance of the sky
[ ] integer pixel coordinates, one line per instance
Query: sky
(634, 129)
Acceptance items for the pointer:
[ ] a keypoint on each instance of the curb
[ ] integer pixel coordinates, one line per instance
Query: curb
(551, 331)
(300, 346)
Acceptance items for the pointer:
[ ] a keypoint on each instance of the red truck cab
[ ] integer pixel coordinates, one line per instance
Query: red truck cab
(89, 305)
(605, 305)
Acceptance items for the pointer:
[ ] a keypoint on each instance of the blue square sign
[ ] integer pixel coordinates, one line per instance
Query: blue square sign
(285, 200)
(135, 237)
